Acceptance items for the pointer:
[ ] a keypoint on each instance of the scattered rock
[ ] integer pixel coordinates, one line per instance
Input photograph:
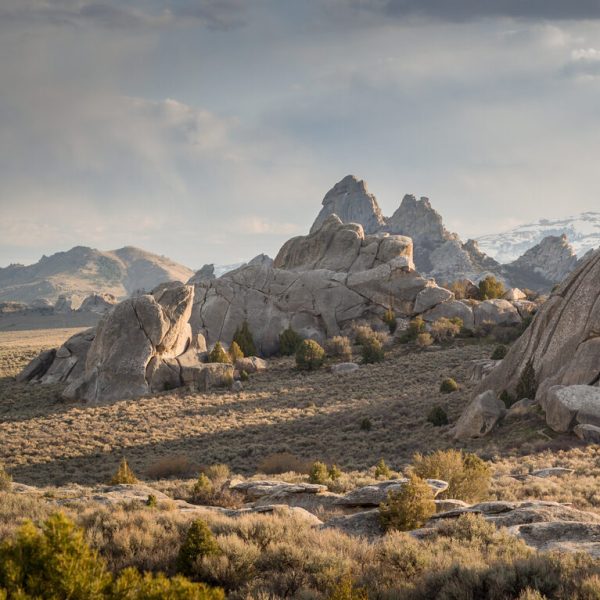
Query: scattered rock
(253, 490)
(251, 364)
(344, 368)
(497, 311)
(552, 472)
(431, 296)
(364, 524)
(522, 408)
(567, 406)
(587, 433)
(514, 294)
(375, 494)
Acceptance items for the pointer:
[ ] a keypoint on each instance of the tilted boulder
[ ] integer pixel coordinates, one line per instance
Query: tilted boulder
(480, 417)
(497, 311)
(571, 405)
(98, 303)
(562, 342)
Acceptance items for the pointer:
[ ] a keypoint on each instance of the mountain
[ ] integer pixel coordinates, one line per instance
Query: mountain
(582, 231)
(82, 271)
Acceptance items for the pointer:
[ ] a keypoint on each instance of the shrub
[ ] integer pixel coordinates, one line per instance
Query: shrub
(151, 501)
(289, 341)
(339, 346)
(124, 475)
(490, 288)
(382, 471)
(389, 318)
(507, 398)
(52, 563)
(318, 473)
(283, 462)
(527, 386)
(199, 542)
(437, 416)
(499, 352)
(243, 338)
(346, 589)
(5, 479)
(244, 376)
(131, 585)
(217, 473)
(372, 351)
(334, 472)
(363, 334)
(444, 329)
(448, 386)
(467, 475)
(410, 507)
(424, 340)
(170, 466)
(415, 327)
(309, 356)
(203, 490)
(235, 352)
(218, 354)
(366, 424)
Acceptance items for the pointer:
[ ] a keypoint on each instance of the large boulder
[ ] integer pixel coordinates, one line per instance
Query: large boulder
(132, 342)
(431, 296)
(98, 303)
(563, 341)
(449, 310)
(480, 417)
(568, 406)
(336, 246)
(497, 311)
(375, 494)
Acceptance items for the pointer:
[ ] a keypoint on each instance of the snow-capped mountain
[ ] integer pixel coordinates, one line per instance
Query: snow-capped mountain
(582, 231)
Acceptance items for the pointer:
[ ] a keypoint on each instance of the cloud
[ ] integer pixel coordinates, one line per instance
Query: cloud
(110, 14)
(584, 64)
(470, 10)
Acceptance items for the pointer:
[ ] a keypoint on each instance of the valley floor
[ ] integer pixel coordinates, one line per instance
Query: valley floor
(313, 416)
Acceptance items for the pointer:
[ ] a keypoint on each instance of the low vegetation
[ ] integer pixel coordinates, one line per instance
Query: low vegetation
(490, 288)
(409, 508)
(340, 347)
(243, 338)
(309, 356)
(124, 474)
(372, 351)
(218, 354)
(289, 341)
(448, 385)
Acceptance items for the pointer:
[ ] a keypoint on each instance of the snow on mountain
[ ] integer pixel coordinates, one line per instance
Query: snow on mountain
(582, 231)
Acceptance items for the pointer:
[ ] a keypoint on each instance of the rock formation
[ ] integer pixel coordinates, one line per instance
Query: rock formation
(352, 203)
(562, 344)
(364, 276)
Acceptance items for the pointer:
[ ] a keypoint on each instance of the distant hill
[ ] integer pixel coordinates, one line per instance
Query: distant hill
(582, 231)
(82, 271)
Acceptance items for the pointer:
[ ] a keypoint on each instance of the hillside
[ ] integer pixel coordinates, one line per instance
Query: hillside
(582, 231)
(82, 271)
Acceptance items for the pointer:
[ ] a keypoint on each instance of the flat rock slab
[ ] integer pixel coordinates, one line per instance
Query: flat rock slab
(374, 495)
(344, 368)
(561, 536)
(553, 472)
(253, 490)
(364, 524)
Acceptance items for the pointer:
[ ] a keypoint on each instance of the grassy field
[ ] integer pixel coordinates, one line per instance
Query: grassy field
(313, 416)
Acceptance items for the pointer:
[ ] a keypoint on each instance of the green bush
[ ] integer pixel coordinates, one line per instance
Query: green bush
(235, 352)
(289, 341)
(52, 564)
(490, 288)
(218, 354)
(319, 473)
(334, 472)
(499, 352)
(437, 416)
(131, 585)
(527, 386)
(507, 398)
(151, 501)
(366, 424)
(124, 475)
(5, 479)
(415, 327)
(389, 318)
(409, 508)
(309, 355)
(199, 542)
(372, 351)
(448, 386)
(243, 338)
(244, 376)
(382, 471)
(467, 475)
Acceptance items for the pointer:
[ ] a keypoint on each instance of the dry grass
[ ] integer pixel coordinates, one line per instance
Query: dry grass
(310, 416)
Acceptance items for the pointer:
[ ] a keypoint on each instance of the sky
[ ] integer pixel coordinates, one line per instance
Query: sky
(210, 130)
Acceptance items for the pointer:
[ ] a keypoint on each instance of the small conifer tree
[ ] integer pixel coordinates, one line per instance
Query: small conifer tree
(243, 338)
(235, 352)
(124, 474)
(218, 354)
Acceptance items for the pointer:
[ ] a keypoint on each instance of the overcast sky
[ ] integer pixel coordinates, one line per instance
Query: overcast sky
(210, 130)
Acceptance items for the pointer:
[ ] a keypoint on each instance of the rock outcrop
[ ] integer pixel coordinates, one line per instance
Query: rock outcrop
(350, 200)
(336, 246)
(562, 344)
(480, 417)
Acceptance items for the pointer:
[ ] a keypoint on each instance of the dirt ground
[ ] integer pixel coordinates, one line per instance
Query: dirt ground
(316, 416)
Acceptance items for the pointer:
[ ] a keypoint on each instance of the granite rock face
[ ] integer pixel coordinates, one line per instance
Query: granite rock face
(350, 200)
(480, 417)
(563, 341)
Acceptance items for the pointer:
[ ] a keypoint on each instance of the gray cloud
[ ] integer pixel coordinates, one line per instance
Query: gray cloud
(213, 14)
(467, 10)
